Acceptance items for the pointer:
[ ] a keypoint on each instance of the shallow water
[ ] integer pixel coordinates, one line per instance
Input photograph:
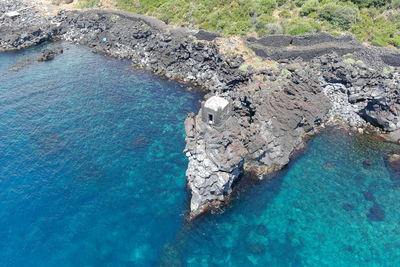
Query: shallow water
(328, 208)
(92, 174)
(91, 163)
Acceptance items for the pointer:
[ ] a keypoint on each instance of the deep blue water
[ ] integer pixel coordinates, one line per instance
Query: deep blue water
(92, 174)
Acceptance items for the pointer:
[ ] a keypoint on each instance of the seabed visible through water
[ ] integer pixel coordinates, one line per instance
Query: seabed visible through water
(92, 174)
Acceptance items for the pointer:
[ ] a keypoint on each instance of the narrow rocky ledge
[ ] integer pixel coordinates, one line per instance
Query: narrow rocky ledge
(313, 80)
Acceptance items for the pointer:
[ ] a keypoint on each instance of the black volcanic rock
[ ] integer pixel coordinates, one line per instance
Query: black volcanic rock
(267, 124)
(27, 29)
(206, 35)
(49, 54)
(151, 44)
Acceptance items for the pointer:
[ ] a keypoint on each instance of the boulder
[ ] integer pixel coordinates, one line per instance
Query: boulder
(49, 54)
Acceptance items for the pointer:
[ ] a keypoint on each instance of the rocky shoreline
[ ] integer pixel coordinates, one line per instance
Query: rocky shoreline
(313, 81)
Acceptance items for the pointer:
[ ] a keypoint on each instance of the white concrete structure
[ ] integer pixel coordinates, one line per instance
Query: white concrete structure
(215, 110)
(215, 103)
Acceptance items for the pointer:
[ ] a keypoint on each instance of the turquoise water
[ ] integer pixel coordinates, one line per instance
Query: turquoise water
(328, 208)
(92, 174)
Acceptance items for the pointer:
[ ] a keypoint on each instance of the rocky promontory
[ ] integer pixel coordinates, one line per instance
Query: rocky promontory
(303, 84)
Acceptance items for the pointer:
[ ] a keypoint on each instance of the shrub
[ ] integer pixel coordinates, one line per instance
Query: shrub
(299, 3)
(378, 30)
(378, 41)
(370, 3)
(309, 7)
(273, 28)
(89, 3)
(395, 4)
(264, 6)
(285, 14)
(395, 41)
(395, 18)
(262, 26)
(281, 2)
(171, 12)
(299, 26)
(58, 2)
(365, 18)
(339, 15)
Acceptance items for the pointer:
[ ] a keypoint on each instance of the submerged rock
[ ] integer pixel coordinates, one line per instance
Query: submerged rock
(170, 256)
(257, 248)
(328, 165)
(348, 207)
(49, 54)
(376, 213)
(262, 230)
(369, 196)
(138, 141)
(366, 164)
(393, 163)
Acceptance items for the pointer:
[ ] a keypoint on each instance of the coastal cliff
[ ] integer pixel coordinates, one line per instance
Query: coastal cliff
(313, 81)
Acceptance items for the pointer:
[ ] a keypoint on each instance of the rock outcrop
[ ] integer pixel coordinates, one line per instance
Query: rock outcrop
(362, 93)
(313, 80)
(49, 54)
(269, 120)
(27, 28)
(278, 108)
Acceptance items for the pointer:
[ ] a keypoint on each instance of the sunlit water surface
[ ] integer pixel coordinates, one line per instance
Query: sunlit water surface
(92, 174)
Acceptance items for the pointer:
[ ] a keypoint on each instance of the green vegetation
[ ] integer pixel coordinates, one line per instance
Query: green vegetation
(374, 21)
(89, 3)
(338, 15)
(58, 2)
(300, 26)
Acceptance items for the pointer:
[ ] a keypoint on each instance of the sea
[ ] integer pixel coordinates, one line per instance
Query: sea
(92, 173)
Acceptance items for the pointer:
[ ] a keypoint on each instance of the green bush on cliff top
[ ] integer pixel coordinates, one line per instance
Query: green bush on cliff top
(89, 3)
(339, 15)
(373, 21)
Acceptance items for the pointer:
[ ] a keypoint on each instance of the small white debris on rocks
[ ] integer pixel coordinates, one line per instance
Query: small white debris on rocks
(216, 103)
(12, 14)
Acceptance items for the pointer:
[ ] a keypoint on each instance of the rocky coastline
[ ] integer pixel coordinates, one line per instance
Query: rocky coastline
(313, 81)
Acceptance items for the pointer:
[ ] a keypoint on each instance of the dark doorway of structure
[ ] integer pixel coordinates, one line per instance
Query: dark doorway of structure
(210, 119)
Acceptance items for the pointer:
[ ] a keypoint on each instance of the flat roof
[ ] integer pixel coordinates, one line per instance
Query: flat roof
(216, 102)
